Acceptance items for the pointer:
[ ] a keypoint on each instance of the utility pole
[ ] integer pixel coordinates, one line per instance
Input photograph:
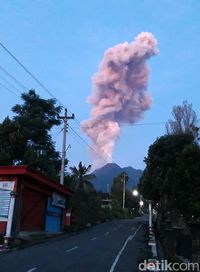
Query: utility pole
(124, 190)
(108, 189)
(65, 119)
(150, 214)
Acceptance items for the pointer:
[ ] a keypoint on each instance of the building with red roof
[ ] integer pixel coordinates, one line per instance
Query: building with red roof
(30, 201)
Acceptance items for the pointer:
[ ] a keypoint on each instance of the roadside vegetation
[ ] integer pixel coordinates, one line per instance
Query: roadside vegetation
(86, 203)
(26, 139)
(171, 180)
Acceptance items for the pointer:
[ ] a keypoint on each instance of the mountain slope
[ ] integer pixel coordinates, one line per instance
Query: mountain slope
(105, 175)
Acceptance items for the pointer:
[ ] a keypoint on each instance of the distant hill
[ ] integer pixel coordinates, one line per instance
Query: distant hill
(105, 175)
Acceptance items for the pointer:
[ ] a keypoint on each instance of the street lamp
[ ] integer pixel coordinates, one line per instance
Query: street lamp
(135, 192)
(141, 203)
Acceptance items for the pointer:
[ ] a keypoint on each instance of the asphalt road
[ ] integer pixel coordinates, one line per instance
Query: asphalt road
(115, 246)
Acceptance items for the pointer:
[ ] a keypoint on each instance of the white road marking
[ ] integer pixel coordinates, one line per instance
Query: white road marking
(94, 238)
(123, 248)
(72, 249)
(32, 269)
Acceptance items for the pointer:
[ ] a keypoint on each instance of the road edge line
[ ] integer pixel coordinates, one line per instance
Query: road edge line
(123, 248)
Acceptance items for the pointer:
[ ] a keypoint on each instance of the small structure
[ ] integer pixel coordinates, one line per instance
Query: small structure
(106, 203)
(105, 200)
(31, 202)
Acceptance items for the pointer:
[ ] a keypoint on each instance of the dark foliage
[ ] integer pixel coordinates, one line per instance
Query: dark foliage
(26, 139)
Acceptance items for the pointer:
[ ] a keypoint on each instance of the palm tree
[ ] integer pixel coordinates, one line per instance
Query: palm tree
(82, 177)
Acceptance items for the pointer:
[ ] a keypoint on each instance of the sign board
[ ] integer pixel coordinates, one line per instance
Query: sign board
(5, 188)
(7, 185)
(58, 200)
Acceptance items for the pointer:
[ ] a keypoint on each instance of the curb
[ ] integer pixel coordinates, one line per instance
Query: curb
(152, 242)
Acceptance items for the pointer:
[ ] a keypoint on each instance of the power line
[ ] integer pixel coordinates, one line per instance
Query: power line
(42, 85)
(126, 125)
(72, 135)
(11, 85)
(93, 149)
(60, 130)
(80, 137)
(140, 124)
(29, 72)
(50, 93)
(13, 78)
(34, 77)
(8, 89)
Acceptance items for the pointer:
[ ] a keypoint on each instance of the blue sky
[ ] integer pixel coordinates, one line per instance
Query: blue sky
(62, 43)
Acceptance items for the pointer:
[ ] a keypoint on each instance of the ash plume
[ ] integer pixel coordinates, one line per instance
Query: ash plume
(119, 93)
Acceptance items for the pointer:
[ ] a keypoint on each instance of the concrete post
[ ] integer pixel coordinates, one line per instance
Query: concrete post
(10, 218)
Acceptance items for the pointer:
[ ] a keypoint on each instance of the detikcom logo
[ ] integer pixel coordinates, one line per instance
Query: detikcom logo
(164, 265)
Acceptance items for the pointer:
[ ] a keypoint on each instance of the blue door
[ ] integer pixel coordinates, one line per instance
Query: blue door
(53, 218)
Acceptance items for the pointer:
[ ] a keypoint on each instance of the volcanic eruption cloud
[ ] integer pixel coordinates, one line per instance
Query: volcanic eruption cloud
(119, 94)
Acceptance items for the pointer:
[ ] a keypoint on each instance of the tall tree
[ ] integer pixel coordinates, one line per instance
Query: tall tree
(85, 202)
(184, 122)
(185, 191)
(160, 163)
(82, 177)
(11, 142)
(27, 136)
(171, 177)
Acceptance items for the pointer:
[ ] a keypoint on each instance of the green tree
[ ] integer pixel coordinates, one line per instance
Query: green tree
(26, 138)
(85, 202)
(171, 177)
(81, 177)
(185, 189)
(11, 142)
(160, 163)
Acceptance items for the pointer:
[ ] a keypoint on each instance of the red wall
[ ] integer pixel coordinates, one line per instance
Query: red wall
(3, 227)
(33, 210)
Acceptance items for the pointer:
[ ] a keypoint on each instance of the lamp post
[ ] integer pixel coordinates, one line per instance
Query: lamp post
(124, 191)
(150, 215)
(141, 202)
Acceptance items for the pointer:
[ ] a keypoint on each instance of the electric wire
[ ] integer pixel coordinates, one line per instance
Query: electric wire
(57, 134)
(92, 148)
(11, 85)
(27, 71)
(1, 84)
(75, 137)
(13, 78)
(34, 77)
(51, 94)
(127, 125)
